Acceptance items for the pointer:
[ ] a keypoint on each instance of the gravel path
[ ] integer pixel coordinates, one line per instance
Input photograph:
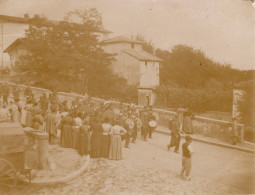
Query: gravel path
(148, 168)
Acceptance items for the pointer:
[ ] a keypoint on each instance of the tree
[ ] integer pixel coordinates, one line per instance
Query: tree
(147, 45)
(190, 68)
(246, 105)
(66, 54)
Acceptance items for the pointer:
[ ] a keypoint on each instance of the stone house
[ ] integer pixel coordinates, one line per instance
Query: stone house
(137, 66)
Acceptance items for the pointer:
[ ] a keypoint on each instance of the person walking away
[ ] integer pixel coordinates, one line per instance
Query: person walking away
(106, 139)
(115, 152)
(175, 136)
(234, 132)
(187, 152)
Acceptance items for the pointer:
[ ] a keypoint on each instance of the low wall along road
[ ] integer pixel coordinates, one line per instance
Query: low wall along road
(213, 128)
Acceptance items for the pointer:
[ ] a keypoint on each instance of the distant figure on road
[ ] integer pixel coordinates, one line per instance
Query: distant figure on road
(234, 133)
(180, 118)
(175, 136)
(187, 152)
(187, 121)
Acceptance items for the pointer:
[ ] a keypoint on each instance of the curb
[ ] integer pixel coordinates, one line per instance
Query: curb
(213, 143)
(64, 179)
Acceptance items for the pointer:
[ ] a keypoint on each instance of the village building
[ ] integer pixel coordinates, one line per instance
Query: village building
(12, 28)
(132, 63)
(137, 66)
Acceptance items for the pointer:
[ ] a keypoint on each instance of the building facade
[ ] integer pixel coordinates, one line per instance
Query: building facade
(137, 66)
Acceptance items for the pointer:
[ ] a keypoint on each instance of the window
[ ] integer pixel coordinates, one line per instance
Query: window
(132, 45)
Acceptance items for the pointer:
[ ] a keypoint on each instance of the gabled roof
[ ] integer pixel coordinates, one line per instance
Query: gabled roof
(14, 44)
(142, 55)
(14, 19)
(120, 39)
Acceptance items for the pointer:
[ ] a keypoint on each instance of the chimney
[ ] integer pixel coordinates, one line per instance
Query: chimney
(26, 16)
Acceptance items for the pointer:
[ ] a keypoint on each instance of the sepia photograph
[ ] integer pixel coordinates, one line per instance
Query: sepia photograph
(127, 97)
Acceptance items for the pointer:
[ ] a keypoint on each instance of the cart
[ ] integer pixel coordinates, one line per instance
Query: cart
(12, 155)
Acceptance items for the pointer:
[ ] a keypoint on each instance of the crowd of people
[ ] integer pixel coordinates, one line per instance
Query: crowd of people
(88, 127)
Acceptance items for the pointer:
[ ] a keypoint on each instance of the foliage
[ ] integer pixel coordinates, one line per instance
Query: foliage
(246, 105)
(189, 68)
(66, 55)
(147, 45)
(198, 100)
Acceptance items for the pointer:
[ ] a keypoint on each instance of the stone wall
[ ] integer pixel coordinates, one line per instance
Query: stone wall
(201, 125)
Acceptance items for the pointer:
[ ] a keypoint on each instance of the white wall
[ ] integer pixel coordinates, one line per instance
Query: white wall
(149, 74)
(127, 67)
(11, 31)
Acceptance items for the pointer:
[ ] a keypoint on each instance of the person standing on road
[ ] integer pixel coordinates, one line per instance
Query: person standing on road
(234, 133)
(129, 126)
(151, 118)
(175, 136)
(115, 152)
(106, 139)
(187, 152)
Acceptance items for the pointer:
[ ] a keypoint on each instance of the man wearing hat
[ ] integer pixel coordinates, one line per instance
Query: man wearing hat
(187, 152)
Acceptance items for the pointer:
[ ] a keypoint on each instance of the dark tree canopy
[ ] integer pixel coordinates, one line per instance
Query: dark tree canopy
(66, 55)
(190, 68)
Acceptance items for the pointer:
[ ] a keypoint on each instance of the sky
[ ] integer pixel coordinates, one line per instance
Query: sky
(223, 29)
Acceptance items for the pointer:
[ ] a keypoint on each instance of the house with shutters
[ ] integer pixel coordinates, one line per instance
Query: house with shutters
(137, 66)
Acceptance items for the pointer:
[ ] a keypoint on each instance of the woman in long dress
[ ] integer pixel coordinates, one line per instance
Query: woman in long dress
(106, 139)
(52, 123)
(96, 136)
(115, 152)
(28, 117)
(84, 138)
(66, 127)
(78, 124)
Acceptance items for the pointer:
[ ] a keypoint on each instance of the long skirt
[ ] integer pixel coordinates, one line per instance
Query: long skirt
(15, 117)
(95, 143)
(67, 136)
(84, 143)
(28, 120)
(105, 146)
(187, 126)
(76, 137)
(23, 117)
(115, 152)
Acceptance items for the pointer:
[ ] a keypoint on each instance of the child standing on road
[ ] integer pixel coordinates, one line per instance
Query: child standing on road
(187, 152)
